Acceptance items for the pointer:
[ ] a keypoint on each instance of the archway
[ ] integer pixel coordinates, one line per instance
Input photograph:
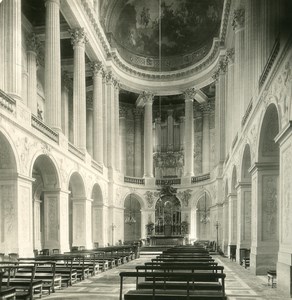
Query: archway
(132, 219)
(265, 228)
(98, 219)
(45, 191)
(244, 207)
(203, 217)
(77, 211)
(8, 197)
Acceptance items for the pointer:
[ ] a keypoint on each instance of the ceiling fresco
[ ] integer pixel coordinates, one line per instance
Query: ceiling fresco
(186, 26)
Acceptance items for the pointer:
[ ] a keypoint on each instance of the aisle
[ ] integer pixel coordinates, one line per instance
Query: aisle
(240, 284)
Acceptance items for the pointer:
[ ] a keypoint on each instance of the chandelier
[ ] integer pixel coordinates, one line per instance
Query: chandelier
(129, 219)
(205, 217)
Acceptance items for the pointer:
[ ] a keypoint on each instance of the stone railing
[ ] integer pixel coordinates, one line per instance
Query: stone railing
(76, 151)
(247, 113)
(200, 178)
(270, 62)
(7, 102)
(97, 166)
(46, 130)
(170, 181)
(134, 180)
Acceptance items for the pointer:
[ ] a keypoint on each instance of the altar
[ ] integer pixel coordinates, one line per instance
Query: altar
(161, 240)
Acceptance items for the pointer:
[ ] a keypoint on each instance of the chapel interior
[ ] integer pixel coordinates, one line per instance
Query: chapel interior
(133, 128)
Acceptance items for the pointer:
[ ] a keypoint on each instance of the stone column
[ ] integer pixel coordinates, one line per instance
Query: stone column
(170, 130)
(105, 117)
(13, 47)
(123, 139)
(182, 132)
(138, 142)
(111, 151)
(206, 138)
(232, 220)
(189, 95)
(230, 105)
(89, 125)
(158, 134)
(116, 124)
(225, 229)
(33, 45)
(239, 65)
(82, 222)
(264, 220)
(219, 76)
(78, 40)
(66, 89)
(148, 131)
(53, 65)
(99, 225)
(98, 141)
(243, 217)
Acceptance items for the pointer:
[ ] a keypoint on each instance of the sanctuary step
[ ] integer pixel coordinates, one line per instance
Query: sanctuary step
(154, 250)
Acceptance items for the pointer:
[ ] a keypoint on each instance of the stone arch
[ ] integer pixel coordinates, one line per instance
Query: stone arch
(8, 196)
(98, 217)
(45, 197)
(132, 218)
(265, 175)
(246, 164)
(77, 211)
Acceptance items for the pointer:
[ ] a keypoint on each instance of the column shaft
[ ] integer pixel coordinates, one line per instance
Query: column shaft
(189, 133)
(78, 39)
(117, 125)
(53, 65)
(182, 132)
(98, 140)
(13, 47)
(206, 140)
(148, 141)
(32, 82)
(89, 130)
(123, 140)
(2, 49)
(65, 110)
(137, 142)
(105, 119)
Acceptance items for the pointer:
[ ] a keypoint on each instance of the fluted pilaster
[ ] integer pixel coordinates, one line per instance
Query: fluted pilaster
(78, 40)
(13, 60)
(205, 108)
(89, 125)
(117, 123)
(148, 140)
(189, 95)
(33, 45)
(158, 134)
(138, 112)
(53, 65)
(66, 91)
(97, 98)
(123, 139)
(105, 118)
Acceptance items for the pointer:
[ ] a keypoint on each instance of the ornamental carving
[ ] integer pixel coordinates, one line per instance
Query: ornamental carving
(109, 77)
(230, 55)
(169, 159)
(67, 81)
(221, 69)
(185, 196)
(78, 36)
(238, 18)
(96, 68)
(151, 197)
(89, 102)
(190, 93)
(123, 111)
(33, 43)
(147, 97)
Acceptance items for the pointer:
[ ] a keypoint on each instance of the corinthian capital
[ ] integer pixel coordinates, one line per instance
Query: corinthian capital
(238, 18)
(33, 43)
(78, 36)
(230, 55)
(96, 68)
(147, 97)
(123, 111)
(190, 93)
(221, 69)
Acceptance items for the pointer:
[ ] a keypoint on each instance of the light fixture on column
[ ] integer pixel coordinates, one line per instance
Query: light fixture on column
(205, 217)
(130, 218)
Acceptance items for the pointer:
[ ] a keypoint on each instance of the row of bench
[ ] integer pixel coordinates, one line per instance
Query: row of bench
(184, 272)
(24, 278)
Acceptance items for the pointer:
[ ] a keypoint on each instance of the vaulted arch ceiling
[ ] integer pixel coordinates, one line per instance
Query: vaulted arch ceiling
(187, 30)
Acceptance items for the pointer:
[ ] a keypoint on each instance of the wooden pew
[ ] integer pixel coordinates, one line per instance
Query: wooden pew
(6, 292)
(25, 288)
(192, 289)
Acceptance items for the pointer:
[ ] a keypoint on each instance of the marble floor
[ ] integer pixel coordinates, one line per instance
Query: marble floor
(240, 284)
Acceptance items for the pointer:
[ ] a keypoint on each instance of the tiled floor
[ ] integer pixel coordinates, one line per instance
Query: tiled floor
(240, 284)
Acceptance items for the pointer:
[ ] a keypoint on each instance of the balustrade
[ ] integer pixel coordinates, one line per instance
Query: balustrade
(200, 178)
(7, 102)
(46, 130)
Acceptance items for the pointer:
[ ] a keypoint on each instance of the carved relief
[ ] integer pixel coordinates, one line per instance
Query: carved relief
(150, 198)
(25, 146)
(78, 36)
(238, 18)
(52, 218)
(185, 196)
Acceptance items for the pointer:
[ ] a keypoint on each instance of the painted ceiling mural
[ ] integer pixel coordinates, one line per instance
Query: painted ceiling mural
(186, 26)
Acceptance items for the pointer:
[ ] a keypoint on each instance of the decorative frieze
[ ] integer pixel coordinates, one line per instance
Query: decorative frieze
(238, 18)
(78, 36)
